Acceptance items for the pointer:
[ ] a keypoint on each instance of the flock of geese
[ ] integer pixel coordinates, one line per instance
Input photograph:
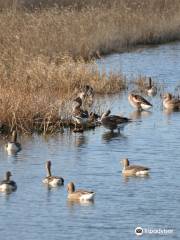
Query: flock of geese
(81, 117)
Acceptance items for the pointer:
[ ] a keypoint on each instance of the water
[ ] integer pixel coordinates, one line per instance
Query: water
(92, 161)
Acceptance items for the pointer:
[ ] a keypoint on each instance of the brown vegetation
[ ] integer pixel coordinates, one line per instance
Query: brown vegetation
(36, 76)
(37, 95)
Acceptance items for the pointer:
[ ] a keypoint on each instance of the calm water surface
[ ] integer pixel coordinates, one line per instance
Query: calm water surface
(92, 161)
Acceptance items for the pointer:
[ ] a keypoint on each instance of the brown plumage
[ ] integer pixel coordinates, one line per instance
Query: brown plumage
(113, 122)
(53, 181)
(81, 194)
(151, 90)
(139, 102)
(170, 102)
(133, 170)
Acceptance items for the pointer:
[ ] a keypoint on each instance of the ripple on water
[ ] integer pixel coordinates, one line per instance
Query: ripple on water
(92, 161)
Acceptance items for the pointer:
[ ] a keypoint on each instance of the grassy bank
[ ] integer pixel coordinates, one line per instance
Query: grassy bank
(37, 95)
(36, 76)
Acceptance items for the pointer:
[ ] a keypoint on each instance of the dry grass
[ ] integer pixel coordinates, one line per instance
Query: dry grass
(38, 94)
(90, 30)
(36, 76)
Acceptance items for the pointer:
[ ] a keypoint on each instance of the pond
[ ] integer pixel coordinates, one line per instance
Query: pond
(92, 160)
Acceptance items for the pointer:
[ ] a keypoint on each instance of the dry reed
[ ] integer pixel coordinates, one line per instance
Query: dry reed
(38, 94)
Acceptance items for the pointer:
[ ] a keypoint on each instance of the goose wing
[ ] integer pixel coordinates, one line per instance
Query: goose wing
(141, 100)
(119, 119)
(114, 119)
(83, 191)
(51, 178)
(175, 102)
(137, 168)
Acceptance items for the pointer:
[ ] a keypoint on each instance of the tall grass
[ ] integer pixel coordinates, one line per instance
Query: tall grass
(37, 95)
(41, 47)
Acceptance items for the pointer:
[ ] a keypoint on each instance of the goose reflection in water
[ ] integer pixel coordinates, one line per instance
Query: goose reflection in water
(73, 203)
(139, 114)
(80, 140)
(109, 136)
(127, 179)
(169, 112)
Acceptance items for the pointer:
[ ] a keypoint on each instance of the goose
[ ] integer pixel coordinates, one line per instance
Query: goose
(79, 115)
(87, 95)
(133, 170)
(151, 90)
(7, 185)
(170, 102)
(139, 102)
(80, 195)
(50, 180)
(13, 146)
(113, 122)
(85, 90)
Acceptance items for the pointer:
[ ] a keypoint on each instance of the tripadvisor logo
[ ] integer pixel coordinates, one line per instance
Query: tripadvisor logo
(139, 231)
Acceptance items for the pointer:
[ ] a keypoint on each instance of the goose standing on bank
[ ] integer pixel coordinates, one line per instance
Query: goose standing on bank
(50, 180)
(113, 122)
(7, 185)
(170, 102)
(87, 95)
(79, 115)
(79, 195)
(13, 146)
(133, 170)
(151, 90)
(139, 102)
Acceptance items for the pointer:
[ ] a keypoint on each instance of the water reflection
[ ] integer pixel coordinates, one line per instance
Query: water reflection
(127, 179)
(139, 114)
(109, 136)
(72, 203)
(80, 140)
(169, 112)
(7, 194)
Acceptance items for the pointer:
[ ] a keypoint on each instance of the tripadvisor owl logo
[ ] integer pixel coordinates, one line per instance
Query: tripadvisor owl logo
(139, 231)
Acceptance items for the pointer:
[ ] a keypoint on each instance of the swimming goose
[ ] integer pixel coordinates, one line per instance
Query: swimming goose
(13, 146)
(139, 102)
(151, 90)
(7, 185)
(113, 122)
(133, 170)
(81, 195)
(52, 181)
(170, 102)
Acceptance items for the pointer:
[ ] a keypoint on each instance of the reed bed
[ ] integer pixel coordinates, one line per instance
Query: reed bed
(44, 49)
(38, 94)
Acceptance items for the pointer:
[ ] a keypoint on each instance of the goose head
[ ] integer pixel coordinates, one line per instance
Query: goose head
(8, 175)
(105, 114)
(70, 187)
(167, 96)
(125, 163)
